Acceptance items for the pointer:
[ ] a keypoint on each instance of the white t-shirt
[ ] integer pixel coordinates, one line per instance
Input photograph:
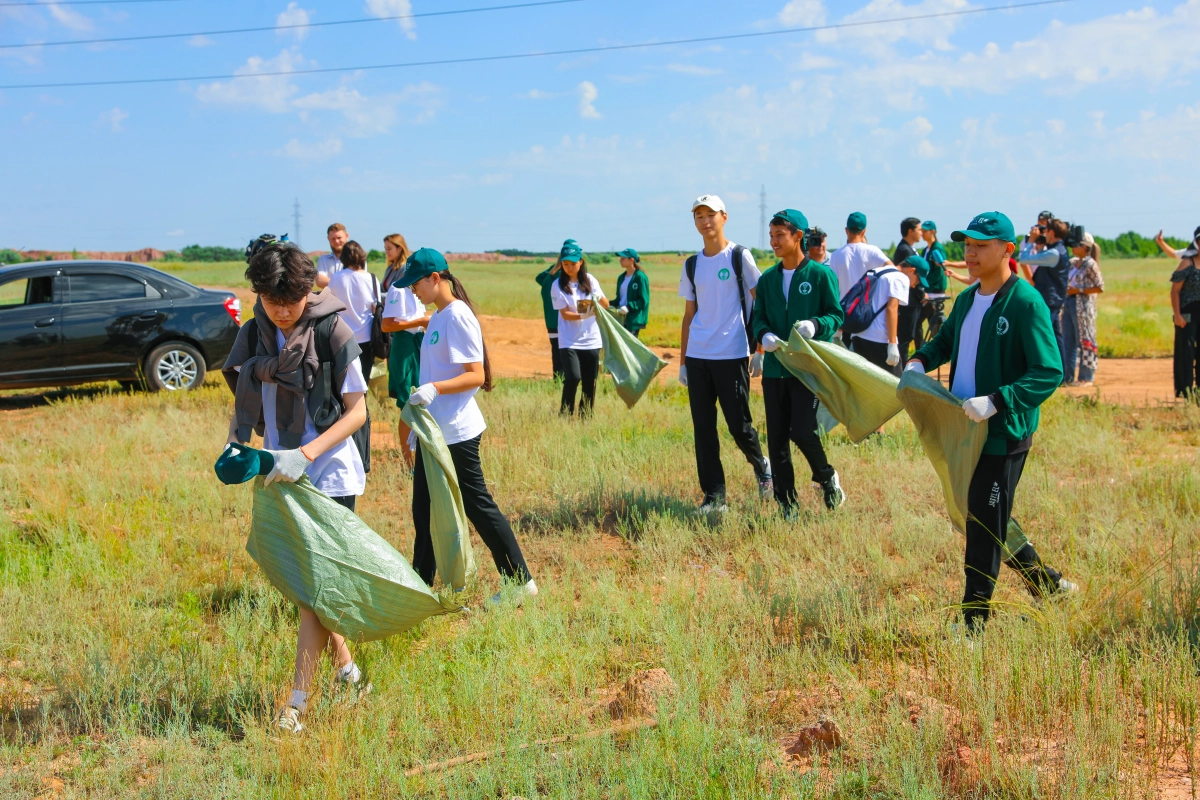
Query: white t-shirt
(968, 347)
(576, 334)
(452, 339)
(852, 261)
(328, 264)
(894, 284)
(718, 330)
(338, 472)
(788, 274)
(623, 297)
(356, 289)
(403, 305)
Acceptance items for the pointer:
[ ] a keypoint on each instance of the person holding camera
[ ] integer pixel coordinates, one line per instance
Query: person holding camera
(1185, 308)
(1048, 270)
(817, 251)
(1079, 313)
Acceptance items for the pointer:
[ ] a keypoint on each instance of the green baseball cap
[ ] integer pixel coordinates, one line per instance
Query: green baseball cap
(929, 225)
(568, 241)
(570, 252)
(421, 264)
(629, 252)
(921, 266)
(856, 222)
(988, 225)
(239, 464)
(791, 216)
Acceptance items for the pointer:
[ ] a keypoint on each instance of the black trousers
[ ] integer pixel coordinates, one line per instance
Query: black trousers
(933, 314)
(555, 356)
(579, 367)
(724, 381)
(347, 501)
(1187, 352)
(989, 507)
(876, 353)
(792, 417)
(482, 511)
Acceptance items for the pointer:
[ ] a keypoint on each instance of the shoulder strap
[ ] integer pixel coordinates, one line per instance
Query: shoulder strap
(738, 252)
(252, 335)
(689, 267)
(323, 339)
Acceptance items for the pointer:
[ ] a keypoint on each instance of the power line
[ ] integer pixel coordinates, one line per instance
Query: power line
(296, 26)
(543, 54)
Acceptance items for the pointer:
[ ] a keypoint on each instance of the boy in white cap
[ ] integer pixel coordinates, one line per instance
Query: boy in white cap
(718, 356)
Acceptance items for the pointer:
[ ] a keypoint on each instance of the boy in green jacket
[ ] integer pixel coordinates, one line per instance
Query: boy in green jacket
(546, 279)
(801, 293)
(633, 292)
(1004, 359)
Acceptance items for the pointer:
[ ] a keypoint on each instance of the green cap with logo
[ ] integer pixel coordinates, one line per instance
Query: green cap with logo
(629, 252)
(856, 222)
(929, 225)
(988, 225)
(421, 264)
(239, 464)
(790, 216)
(921, 266)
(570, 252)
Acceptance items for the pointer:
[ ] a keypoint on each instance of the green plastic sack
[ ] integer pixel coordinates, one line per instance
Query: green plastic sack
(447, 518)
(322, 557)
(632, 364)
(854, 391)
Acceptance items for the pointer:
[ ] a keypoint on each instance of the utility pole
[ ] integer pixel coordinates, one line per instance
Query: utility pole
(296, 219)
(762, 218)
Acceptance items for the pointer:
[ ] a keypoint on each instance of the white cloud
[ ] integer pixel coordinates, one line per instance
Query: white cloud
(294, 15)
(176, 232)
(272, 93)
(200, 41)
(395, 8)
(803, 13)
(1056, 126)
(69, 18)
(114, 118)
(495, 179)
(310, 151)
(933, 32)
(694, 69)
(538, 94)
(370, 116)
(587, 96)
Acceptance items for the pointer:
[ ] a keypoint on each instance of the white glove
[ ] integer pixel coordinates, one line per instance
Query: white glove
(807, 328)
(914, 366)
(979, 408)
(423, 396)
(289, 466)
(756, 365)
(683, 375)
(893, 354)
(771, 342)
(623, 310)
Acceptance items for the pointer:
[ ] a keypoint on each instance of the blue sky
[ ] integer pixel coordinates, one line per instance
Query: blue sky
(1087, 108)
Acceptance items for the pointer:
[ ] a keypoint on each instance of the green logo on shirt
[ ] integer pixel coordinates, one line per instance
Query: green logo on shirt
(1002, 326)
(806, 288)
(723, 274)
(434, 339)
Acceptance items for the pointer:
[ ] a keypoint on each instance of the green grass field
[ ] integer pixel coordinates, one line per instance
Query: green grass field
(1134, 318)
(143, 654)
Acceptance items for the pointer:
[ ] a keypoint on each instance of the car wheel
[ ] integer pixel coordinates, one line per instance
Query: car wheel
(174, 366)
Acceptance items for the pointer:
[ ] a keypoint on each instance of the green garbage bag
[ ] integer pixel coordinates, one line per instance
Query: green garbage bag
(854, 391)
(632, 364)
(447, 518)
(322, 557)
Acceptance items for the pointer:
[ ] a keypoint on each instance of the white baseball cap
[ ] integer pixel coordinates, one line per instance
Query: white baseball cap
(710, 200)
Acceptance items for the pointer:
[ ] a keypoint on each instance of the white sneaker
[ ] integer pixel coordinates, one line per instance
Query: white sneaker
(288, 721)
(1066, 587)
(517, 596)
(713, 507)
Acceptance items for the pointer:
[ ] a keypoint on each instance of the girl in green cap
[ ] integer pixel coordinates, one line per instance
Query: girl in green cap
(633, 292)
(574, 295)
(403, 315)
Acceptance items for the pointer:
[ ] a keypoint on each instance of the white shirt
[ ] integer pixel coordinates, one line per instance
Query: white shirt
(853, 261)
(623, 296)
(968, 347)
(788, 274)
(338, 472)
(718, 331)
(328, 264)
(894, 284)
(356, 289)
(452, 339)
(403, 305)
(576, 334)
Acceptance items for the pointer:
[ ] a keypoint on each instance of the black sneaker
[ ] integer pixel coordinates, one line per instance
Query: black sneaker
(832, 492)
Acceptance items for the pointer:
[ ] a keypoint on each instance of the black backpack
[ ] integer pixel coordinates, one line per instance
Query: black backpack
(689, 267)
(381, 343)
(856, 305)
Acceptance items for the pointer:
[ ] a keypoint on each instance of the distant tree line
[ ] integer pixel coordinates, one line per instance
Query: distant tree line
(195, 252)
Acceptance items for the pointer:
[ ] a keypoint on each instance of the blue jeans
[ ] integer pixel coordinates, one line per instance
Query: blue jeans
(1070, 339)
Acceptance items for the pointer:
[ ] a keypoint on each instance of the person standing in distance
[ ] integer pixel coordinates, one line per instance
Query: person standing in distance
(331, 263)
(816, 246)
(879, 343)
(856, 258)
(545, 279)
(633, 292)
(933, 310)
(575, 295)
(717, 285)
(1049, 269)
(405, 318)
(906, 324)
(799, 293)
(1005, 362)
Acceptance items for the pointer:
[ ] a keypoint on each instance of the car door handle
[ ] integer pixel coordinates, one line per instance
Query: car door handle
(148, 315)
(44, 322)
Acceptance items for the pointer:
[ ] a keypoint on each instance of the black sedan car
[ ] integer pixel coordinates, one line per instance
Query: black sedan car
(70, 322)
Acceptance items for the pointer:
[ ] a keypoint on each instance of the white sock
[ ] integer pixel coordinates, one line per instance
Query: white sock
(350, 673)
(299, 700)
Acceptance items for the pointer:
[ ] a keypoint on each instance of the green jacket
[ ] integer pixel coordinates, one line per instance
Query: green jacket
(812, 295)
(638, 299)
(1018, 363)
(546, 281)
(937, 270)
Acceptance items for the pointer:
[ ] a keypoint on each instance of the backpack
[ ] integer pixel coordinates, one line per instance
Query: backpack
(381, 343)
(689, 267)
(858, 302)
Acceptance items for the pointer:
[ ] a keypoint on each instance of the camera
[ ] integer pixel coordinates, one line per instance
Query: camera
(1074, 237)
